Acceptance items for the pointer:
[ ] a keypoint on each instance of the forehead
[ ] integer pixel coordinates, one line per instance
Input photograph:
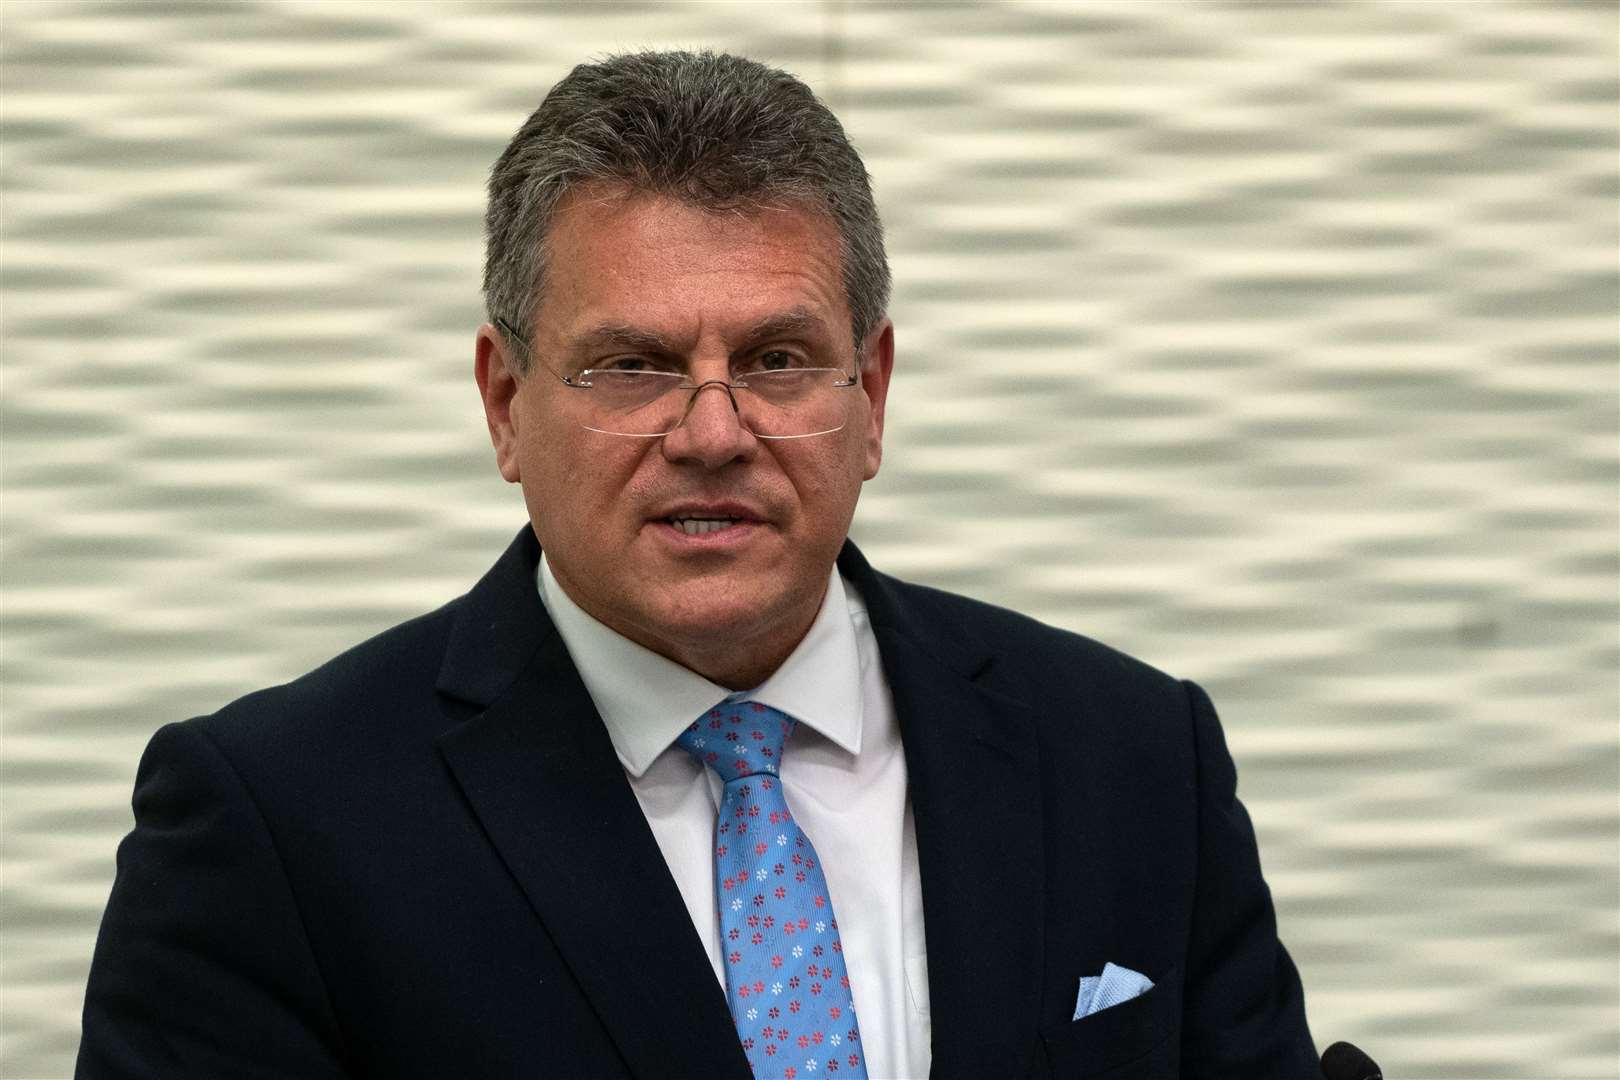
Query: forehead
(633, 259)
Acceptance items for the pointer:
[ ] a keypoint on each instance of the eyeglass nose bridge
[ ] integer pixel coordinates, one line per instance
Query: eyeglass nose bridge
(698, 388)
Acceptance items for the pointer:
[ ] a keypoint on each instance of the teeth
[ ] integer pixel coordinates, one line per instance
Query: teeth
(699, 526)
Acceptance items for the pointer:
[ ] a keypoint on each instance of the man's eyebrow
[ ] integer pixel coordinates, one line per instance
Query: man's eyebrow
(622, 336)
(797, 321)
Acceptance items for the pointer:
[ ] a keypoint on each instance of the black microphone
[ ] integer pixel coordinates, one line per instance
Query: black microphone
(1345, 1062)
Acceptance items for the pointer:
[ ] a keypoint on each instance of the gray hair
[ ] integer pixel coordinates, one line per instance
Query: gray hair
(714, 130)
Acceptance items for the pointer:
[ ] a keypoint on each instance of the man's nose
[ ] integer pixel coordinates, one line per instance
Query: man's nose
(713, 433)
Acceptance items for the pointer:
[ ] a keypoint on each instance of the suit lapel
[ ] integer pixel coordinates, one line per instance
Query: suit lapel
(540, 772)
(974, 772)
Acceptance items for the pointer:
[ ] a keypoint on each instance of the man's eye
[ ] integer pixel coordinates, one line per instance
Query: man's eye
(631, 363)
(775, 360)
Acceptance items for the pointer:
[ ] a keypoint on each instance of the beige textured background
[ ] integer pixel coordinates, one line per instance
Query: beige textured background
(1275, 343)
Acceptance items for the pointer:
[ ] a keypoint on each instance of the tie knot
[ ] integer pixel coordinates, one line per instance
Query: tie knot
(738, 739)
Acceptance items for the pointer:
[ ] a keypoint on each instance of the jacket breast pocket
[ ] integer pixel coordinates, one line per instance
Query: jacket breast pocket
(1137, 1039)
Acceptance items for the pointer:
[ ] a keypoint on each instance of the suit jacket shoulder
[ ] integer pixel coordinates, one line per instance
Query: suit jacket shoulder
(469, 651)
(1081, 686)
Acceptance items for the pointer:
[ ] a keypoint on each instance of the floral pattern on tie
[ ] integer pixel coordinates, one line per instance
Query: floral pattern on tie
(784, 962)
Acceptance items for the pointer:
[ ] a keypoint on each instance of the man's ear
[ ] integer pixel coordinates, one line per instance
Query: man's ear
(498, 386)
(877, 362)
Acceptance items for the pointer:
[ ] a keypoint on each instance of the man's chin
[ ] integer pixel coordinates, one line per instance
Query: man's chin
(730, 633)
(712, 617)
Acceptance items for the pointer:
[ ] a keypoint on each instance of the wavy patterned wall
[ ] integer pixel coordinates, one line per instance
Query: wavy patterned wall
(1275, 343)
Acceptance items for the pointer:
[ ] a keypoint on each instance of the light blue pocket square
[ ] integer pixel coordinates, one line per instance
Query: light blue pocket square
(1114, 985)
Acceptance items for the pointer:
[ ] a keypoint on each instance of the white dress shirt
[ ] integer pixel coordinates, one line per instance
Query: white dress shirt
(844, 776)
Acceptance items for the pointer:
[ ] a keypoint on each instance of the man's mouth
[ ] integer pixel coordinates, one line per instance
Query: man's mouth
(697, 526)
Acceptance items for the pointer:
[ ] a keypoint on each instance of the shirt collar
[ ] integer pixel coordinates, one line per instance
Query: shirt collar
(646, 700)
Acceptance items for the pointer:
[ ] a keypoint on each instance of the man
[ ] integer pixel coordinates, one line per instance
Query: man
(683, 787)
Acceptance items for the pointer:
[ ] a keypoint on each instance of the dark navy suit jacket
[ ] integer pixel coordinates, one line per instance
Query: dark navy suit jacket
(424, 860)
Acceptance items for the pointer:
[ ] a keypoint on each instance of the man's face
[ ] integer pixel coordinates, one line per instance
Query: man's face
(634, 273)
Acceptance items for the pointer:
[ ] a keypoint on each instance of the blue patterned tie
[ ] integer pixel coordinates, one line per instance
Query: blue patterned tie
(784, 962)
